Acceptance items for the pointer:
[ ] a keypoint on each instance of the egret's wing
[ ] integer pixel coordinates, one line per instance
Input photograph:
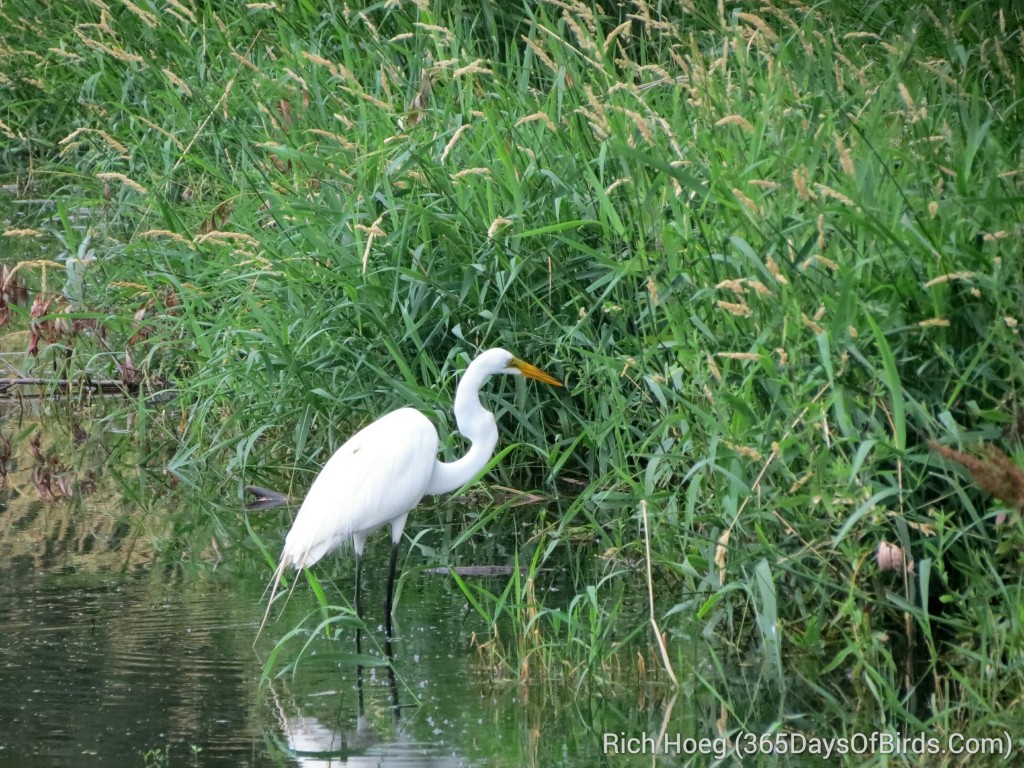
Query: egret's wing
(378, 475)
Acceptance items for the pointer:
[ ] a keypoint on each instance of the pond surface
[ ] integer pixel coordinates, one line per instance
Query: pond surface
(128, 634)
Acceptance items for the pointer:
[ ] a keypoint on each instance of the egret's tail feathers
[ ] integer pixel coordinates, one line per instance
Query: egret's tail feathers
(273, 594)
(301, 559)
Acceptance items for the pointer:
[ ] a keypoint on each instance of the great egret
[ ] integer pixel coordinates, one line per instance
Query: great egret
(384, 469)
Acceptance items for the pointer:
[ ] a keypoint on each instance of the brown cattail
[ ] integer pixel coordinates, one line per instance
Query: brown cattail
(995, 473)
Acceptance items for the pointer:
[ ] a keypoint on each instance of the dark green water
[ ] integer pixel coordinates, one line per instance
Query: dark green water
(101, 670)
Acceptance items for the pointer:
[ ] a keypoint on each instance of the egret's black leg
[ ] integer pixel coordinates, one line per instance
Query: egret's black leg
(393, 685)
(391, 590)
(359, 690)
(390, 631)
(359, 603)
(359, 632)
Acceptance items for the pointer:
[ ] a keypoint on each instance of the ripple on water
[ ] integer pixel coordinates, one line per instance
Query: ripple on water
(109, 668)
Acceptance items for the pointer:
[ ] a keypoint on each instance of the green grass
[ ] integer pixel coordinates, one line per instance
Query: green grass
(772, 253)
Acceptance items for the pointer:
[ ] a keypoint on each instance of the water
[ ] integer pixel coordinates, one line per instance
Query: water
(104, 671)
(128, 614)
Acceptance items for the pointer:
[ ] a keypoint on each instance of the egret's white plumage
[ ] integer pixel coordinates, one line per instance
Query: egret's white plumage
(383, 471)
(375, 478)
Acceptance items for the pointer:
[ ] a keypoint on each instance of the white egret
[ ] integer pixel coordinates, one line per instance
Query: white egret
(384, 469)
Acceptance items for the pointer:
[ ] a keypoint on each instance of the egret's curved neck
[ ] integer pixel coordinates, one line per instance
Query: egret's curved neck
(476, 424)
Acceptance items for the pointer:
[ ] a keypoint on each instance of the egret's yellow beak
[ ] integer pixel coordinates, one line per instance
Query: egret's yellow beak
(533, 372)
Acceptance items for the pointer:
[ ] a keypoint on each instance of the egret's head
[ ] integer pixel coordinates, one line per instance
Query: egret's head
(503, 361)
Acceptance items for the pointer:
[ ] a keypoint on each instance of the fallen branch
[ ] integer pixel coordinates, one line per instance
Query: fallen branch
(103, 386)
